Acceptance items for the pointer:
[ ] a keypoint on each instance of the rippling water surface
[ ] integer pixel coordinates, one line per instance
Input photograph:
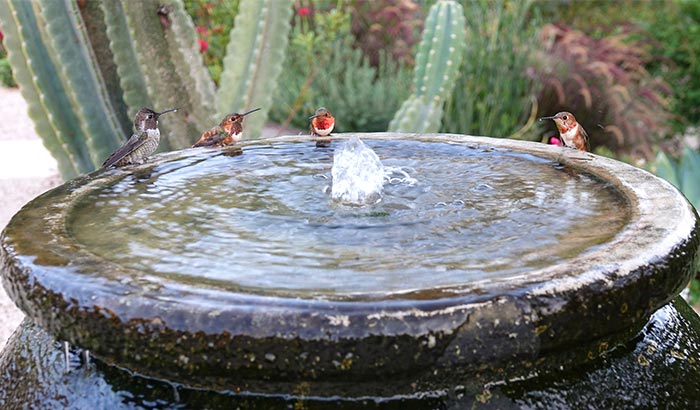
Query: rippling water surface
(264, 220)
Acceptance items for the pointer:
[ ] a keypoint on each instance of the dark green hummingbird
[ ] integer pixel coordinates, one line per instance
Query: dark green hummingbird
(142, 143)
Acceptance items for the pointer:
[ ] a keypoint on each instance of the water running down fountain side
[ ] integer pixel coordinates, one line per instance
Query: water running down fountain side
(495, 267)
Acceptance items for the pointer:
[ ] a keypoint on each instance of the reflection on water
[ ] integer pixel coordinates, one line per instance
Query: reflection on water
(449, 214)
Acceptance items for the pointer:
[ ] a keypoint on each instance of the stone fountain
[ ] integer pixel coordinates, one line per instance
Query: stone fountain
(492, 273)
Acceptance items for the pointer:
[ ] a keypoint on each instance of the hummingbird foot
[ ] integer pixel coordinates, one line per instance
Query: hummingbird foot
(323, 143)
(66, 356)
(85, 356)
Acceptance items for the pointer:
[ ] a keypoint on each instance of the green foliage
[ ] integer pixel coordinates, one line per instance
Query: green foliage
(363, 98)
(325, 70)
(684, 174)
(494, 93)
(676, 29)
(313, 40)
(437, 65)
(213, 20)
(6, 77)
(694, 294)
(85, 68)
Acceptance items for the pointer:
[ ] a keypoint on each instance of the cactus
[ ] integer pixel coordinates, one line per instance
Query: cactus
(131, 79)
(437, 64)
(85, 68)
(254, 53)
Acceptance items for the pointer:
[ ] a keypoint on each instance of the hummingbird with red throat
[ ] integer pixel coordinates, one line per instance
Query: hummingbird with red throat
(228, 132)
(571, 132)
(143, 142)
(322, 123)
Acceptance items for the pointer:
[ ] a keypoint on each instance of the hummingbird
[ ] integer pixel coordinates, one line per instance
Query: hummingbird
(571, 132)
(322, 123)
(143, 142)
(228, 132)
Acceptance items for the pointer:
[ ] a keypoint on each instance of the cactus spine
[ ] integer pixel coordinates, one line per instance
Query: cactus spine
(85, 68)
(254, 58)
(437, 66)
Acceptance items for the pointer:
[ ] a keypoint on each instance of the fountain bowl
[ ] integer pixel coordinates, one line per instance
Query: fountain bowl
(421, 338)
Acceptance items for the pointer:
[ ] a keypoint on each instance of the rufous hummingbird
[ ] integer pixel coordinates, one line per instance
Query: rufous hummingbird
(143, 142)
(322, 123)
(228, 132)
(571, 132)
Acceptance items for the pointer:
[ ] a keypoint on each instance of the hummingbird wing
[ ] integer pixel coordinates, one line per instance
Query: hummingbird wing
(130, 146)
(586, 144)
(211, 137)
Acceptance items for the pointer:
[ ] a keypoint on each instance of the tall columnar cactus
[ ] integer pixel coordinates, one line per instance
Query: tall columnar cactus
(253, 62)
(85, 68)
(437, 65)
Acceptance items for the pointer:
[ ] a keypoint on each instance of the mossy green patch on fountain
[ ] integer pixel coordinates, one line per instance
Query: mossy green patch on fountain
(211, 331)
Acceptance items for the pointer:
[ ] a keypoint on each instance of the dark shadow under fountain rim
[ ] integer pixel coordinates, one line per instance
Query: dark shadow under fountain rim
(605, 291)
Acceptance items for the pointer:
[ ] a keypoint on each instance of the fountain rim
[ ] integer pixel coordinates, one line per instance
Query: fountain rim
(646, 245)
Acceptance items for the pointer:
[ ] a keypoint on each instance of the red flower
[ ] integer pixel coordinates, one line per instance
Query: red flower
(304, 11)
(203, 45)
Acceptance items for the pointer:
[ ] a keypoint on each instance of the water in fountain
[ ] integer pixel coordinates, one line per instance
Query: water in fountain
(358, 174)
(261, 221)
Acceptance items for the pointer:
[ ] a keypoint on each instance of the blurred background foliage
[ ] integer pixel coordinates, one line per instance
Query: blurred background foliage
(628, 69)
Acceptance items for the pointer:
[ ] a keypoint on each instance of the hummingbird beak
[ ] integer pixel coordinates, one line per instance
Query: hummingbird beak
(166, 111)
(546, 118)
(314, 116)
(246, 113)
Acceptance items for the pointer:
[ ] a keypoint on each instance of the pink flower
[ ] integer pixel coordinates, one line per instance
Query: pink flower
(2, 36)
(555, 141)
(304, 11)
(203, 45)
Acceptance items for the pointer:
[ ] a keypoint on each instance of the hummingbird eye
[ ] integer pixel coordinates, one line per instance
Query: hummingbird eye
(566, 117)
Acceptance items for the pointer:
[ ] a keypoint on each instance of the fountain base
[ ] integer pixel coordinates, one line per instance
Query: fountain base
(658, 367)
